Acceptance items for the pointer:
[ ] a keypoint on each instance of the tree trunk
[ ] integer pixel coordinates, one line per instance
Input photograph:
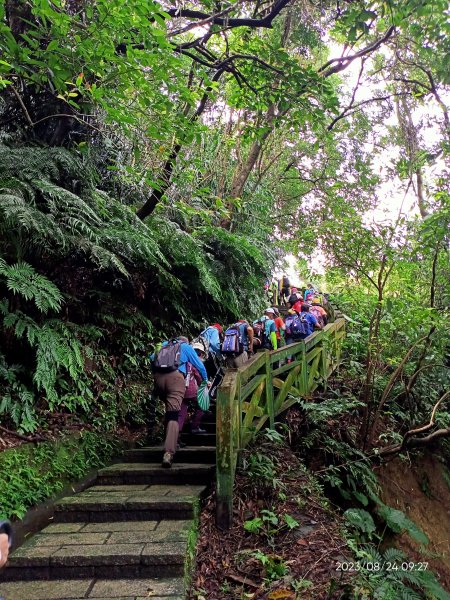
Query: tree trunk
(166, 176)
(411, 141)
(242, 173)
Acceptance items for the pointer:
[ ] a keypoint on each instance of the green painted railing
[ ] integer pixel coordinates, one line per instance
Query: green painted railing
(251, 397)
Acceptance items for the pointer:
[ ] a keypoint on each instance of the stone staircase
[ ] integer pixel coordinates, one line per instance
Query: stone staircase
(130, 536)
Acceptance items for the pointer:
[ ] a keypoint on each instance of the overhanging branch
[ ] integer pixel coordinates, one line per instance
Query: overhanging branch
(335, 65)
(229, 21)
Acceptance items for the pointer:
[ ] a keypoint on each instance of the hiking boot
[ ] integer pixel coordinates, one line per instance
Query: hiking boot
(167, 460)
(198, 430)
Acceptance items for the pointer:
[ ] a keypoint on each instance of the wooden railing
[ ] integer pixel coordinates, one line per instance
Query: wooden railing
(251, 397)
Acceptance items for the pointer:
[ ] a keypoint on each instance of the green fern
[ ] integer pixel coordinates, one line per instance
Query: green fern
(22, 279)
(394, 555)
(38, 213)
(361, 519)
(395, 583)
(52, 216)
(18, 401)
(57, 350)
(398, 522)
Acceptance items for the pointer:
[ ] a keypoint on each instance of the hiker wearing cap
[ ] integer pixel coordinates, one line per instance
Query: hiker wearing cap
(299, 325)
(294, 297)
(170, 371)
(318, 311)
(193, 380)
(270, 328)
(310, 318)
(210, 339)
(279, 324)
(266, 331)
(297, 306)
(288, 336)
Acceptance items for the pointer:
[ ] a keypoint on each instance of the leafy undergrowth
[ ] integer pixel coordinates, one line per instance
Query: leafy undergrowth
(34, 472)
(285, 542)
(59, 425)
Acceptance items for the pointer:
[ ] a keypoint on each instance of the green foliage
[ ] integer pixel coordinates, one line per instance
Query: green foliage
(30, 474)
(261, 466)
(274, 566)
(22, 279)
(390, 575)
(17, 401)
(361, 519)
(399, 522)
(39, 214)
(261, 469)
(270, 524)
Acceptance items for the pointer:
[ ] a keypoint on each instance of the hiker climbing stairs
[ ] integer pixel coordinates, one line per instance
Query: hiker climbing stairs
(126, 536)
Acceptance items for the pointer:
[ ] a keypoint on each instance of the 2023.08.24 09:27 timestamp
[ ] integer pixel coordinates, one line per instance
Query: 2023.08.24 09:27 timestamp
(380, 566)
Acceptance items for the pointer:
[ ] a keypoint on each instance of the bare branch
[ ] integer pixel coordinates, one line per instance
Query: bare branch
(207, 21)
(22, 104)
(202, 17)
(395, 375)
(341, 63)
(409, 441)
(352, 100)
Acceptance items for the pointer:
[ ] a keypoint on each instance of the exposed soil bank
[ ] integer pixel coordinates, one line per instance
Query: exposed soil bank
(421, 489)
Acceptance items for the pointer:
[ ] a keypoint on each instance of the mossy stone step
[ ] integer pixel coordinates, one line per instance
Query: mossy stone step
(95, 589)
(180, 473)
(82, 550)
(205, 439)
(103, 503)
(194, 454)
(208, 425)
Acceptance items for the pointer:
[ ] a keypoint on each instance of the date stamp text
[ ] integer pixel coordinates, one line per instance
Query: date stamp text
(375, 567)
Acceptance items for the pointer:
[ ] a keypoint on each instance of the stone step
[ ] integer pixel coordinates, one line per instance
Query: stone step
(190, 454)
(209, 426)
(110, 550)
(96, 589)
(205, 439)
(151, 473)
(102, 503)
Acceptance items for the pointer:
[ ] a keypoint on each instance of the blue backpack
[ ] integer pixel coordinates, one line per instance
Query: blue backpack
(297, 326)
(232, 343)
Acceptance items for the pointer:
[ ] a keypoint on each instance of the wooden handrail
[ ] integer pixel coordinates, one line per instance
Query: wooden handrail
(256, 393)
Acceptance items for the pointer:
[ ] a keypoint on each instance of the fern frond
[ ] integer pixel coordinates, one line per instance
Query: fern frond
(393, 555)
(409, 594)
(22, 279)
(398, 521)
(18, 216)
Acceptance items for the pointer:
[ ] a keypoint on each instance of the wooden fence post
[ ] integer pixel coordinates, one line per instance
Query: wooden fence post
(304, 374)
(269, 392)
(227, 404)
(324, 361)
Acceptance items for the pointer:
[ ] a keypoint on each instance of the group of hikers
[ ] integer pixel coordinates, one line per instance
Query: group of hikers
(187, 375)
(278, 291)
